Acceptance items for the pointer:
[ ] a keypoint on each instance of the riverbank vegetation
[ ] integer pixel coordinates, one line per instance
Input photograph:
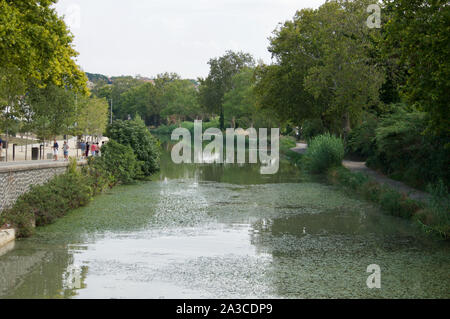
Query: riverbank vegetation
(121, 162)
(431, 215)
(353, 81)
(42, 90)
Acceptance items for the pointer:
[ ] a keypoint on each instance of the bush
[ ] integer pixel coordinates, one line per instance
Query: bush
(120, 162)
(136, 135)
(397, 204)
(404, 150)
(43, 204)
(436, 217)
(324, 151)
(164, 129)
(361, 140)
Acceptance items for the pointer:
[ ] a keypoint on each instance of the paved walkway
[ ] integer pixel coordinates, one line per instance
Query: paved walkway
(377, 176)
(20, 151)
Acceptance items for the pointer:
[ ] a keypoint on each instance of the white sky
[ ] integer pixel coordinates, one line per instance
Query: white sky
(147, 37)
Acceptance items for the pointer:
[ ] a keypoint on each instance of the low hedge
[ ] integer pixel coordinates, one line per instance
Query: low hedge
(433, 216)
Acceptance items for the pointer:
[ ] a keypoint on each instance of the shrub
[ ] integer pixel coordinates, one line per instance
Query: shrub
(397, 204)
(361, 140)
(164, 129)
(136, 135)
(324, 151)
(120, 162)
(45, 203)
(405, 151)
(436, 217)
(371, 191)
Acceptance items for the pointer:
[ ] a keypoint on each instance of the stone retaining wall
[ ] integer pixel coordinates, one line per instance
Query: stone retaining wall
(16, 179)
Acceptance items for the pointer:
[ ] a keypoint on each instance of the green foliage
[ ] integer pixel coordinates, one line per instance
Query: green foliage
(92, 116)
(361, 140)
(239, 103)
(53, 108)
(168, 129)
(397, 204)
(45, 203)
(325, 67)
(312, 128)
(36, 42)
(135, 134)
(119, 161)
(181, 101)
(405, 152)
(343, 176)
(435, 218)
(418, 34)
(220, 81)
(324, 151)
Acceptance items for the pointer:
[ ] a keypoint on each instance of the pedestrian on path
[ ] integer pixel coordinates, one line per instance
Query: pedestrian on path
(55, 150)
(1, 146)
(83, 148)
(87, 150)
(66, 151)
(93, 149)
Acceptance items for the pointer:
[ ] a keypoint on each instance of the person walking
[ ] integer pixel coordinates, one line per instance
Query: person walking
(83, 148)
(1, 146)
(87, 150)
(66, 151)
(93, 149)
(55, 150)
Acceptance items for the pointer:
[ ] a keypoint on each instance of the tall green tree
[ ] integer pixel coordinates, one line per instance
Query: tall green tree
(37, 43)
(418, 33)
(323, 66)
(54, 110)
(181, 101)
(91, 116)
(240, 108)
(219, 80)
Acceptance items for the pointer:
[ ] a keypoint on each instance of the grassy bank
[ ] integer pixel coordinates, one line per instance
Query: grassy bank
(324, 157)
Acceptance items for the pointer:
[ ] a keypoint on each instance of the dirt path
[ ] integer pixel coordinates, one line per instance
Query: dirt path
(380, 178)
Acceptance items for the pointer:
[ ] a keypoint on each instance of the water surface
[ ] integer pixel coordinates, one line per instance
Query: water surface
(225, 231)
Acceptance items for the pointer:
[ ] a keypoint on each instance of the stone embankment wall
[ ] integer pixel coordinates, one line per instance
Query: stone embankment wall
(16, 179)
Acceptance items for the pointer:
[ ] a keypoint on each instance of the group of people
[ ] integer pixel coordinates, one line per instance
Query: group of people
(86, 147)
(56, 150)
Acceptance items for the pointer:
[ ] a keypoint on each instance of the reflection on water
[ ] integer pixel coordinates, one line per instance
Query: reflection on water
(202, 231)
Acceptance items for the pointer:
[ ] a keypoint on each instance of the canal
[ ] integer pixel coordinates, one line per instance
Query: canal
(225, 231)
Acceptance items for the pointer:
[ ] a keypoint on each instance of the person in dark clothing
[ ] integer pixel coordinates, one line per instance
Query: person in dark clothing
(55, 150)
(87, 150)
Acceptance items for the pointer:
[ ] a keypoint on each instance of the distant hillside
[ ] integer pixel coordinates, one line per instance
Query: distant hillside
(98, 78)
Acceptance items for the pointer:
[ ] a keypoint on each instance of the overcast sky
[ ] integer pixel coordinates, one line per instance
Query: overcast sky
(147, 37)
